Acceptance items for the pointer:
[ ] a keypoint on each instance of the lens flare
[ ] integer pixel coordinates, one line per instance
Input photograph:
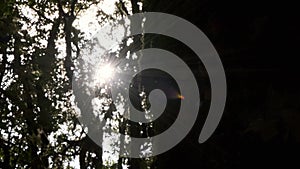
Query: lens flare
(104, 73)
(180, 96)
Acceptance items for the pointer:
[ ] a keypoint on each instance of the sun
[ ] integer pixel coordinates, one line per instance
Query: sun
(104, 73)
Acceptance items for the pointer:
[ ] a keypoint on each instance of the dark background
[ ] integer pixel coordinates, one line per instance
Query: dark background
(258, 44)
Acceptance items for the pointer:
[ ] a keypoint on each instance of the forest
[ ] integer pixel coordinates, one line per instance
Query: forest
(42, 47)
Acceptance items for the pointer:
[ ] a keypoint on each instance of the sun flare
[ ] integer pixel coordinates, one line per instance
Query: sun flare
(104, 73)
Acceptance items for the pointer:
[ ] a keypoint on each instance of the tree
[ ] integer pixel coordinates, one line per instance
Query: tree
(39, 128)
(39, 46)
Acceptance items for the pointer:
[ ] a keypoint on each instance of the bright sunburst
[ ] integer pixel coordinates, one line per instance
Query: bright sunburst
(104, 73)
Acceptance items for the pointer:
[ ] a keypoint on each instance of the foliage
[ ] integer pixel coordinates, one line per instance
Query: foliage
(38, 43)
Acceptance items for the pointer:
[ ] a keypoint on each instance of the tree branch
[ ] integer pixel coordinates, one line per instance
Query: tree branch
(135, 7)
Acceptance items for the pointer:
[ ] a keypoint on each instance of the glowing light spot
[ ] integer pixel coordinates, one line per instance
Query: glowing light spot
(104, 73)
(180, 96)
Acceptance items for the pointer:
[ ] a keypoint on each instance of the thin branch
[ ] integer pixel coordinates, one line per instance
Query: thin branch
(135, 7)
(3, 65)
(41, 14)
(123, 7)
(74, 2)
